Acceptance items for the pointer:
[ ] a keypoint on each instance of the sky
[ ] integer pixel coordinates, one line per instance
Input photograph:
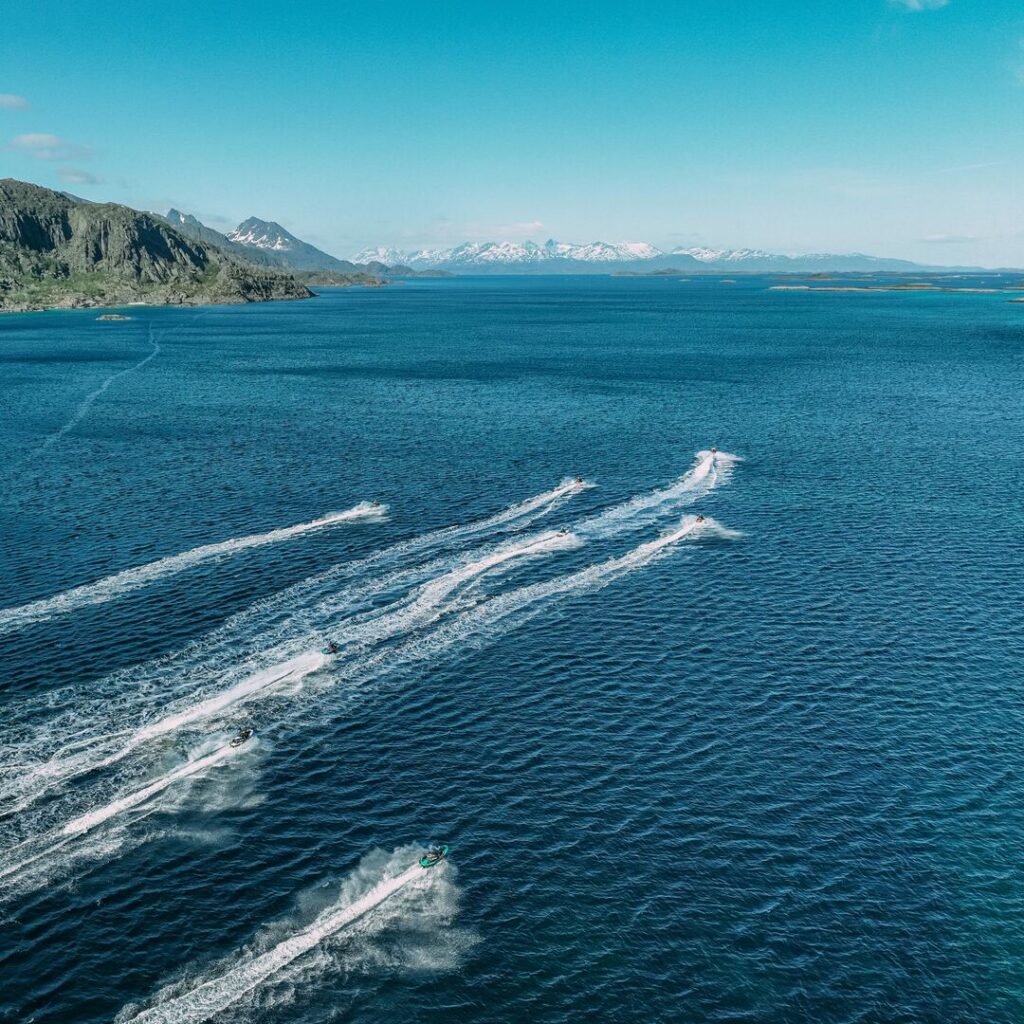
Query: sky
(892, 127)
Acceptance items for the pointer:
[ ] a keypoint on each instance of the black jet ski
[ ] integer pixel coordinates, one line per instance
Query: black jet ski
(243, 736)
(433, 856)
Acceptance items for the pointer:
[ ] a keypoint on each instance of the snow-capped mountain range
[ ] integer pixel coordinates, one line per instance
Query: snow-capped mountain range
(552, 256)
(504, 253)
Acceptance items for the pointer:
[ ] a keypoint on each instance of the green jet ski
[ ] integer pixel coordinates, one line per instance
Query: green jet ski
(433, 855)
(331, 648)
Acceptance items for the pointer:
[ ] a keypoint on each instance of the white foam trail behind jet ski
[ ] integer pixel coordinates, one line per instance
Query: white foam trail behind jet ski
(497, 614)
(709, 470)
(213, 996)
(112, 587)
(428, 599)
(426, 604)
(86, 822)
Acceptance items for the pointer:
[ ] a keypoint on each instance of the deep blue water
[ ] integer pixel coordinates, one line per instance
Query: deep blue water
(770, 775)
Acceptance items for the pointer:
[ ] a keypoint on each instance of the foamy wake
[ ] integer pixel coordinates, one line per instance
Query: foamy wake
(176, 685)
(493, 617)
(47, 845)
(112, 587)
(211, 997)
(709, 470)
(428, 602)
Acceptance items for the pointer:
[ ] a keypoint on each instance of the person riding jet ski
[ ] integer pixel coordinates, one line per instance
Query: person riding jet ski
(433, 855)
(699, 519)
(331, 648)
(243, 735)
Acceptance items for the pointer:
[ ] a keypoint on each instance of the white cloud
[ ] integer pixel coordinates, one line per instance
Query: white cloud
(44, 146)
(8, 101)
(950, 239)
(920, 5)
(75, 176)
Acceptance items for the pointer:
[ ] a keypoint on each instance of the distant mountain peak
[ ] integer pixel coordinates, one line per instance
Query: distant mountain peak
(264, 234)
(272, 238)
(177, 218)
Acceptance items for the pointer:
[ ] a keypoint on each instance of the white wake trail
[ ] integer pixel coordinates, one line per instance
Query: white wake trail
(217, 655)
(709, 470)
(213, 996)
(495, 615)
(112, 587)
(87, 403)
(426, 603)
(87, 822)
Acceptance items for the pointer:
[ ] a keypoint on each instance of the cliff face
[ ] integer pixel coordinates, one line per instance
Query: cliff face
(60, 252)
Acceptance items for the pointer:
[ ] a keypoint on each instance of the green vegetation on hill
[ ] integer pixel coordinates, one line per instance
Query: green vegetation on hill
(60, 252)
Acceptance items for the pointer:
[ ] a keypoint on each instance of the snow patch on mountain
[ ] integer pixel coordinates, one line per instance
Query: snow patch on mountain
(263, 235)
(706, 255)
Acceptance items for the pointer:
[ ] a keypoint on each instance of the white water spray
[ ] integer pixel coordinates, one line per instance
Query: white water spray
(213, 996)
(87, 822)
(709, 470)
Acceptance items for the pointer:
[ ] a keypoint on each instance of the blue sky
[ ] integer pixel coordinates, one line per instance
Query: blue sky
(894, 127)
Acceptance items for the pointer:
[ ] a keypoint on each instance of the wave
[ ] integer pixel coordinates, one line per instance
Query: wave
(112, 587)
(211, 997)
(286, 657)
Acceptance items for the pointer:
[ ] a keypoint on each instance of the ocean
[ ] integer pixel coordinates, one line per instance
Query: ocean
(729, 735)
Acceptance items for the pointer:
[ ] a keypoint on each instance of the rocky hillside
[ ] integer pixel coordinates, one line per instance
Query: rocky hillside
(60, 252)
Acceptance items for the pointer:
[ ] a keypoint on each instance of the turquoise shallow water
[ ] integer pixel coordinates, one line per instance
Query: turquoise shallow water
(768, 771)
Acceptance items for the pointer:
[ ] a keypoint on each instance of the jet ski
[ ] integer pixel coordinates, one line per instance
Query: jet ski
(331, 648)
(714, 451)
(433, 856)
(243, 735)
(699, 519)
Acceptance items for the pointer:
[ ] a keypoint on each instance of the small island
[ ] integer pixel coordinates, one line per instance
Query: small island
(114, 316)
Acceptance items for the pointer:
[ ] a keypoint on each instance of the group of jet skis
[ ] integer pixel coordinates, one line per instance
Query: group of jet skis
(438, 852)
